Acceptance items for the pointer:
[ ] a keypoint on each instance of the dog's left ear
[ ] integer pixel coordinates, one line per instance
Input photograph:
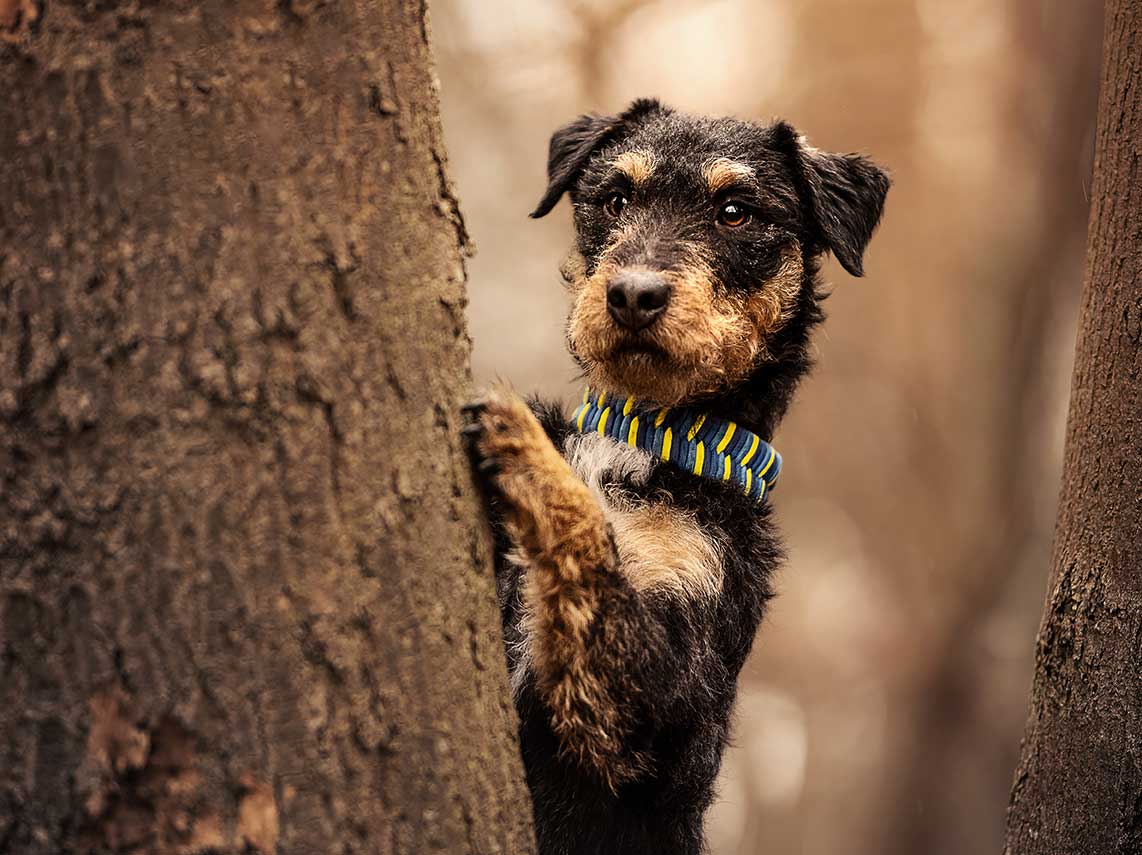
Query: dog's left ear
(844, 194)
(574, 143)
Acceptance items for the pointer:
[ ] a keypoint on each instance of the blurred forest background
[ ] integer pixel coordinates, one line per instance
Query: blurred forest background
(883, 706)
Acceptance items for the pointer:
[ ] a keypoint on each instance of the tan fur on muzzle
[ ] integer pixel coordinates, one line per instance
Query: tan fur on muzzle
(706, 341)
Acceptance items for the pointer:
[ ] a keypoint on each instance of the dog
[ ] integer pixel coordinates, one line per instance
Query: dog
(635, 547)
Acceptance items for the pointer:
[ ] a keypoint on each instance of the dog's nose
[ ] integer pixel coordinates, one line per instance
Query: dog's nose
(636, 297)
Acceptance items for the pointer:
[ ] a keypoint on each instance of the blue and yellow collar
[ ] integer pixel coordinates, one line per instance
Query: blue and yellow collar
(688, 438)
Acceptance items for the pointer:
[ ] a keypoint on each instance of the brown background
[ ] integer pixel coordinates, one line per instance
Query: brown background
(882, 709)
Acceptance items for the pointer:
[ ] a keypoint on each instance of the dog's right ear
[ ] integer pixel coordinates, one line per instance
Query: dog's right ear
(574, 143)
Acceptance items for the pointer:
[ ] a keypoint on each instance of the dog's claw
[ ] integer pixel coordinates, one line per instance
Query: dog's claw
(488, 466)
(474, 408)
(472, 431)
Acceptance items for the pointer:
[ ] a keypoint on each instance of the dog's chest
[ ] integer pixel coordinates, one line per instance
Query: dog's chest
(661, 546)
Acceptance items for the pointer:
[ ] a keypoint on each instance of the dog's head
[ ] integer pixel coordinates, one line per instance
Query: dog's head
(696, 242)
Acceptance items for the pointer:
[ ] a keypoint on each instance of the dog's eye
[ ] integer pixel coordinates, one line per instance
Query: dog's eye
(734, 214)
(615, 204)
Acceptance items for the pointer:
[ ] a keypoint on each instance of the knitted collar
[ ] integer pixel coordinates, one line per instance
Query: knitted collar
(690, 439)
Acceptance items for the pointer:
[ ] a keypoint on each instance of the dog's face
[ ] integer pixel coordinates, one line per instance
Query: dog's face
(693, 237)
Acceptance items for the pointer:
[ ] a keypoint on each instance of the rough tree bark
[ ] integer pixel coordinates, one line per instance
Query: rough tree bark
(1078, 788)
(245, 596)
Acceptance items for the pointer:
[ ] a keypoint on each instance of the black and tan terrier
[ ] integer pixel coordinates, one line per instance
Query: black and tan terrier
(636, 546)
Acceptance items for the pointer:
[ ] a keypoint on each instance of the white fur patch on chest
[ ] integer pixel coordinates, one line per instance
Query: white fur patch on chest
(593, 457)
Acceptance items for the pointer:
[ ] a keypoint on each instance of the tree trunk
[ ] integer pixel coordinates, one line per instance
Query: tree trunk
(1078, 789)
(246, 602)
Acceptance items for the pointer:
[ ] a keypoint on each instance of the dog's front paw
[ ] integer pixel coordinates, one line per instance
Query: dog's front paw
(547, 503)
(505, 438)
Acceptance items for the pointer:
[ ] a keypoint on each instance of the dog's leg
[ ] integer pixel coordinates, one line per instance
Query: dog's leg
(587, 627)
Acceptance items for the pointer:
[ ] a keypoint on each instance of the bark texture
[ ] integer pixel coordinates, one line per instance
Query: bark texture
(246, 602)
(1078, 789)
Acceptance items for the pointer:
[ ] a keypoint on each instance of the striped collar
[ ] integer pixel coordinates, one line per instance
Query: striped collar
(688, 438)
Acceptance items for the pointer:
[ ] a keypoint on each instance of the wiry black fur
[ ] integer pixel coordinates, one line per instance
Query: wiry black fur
(682, 688)
(681, 661)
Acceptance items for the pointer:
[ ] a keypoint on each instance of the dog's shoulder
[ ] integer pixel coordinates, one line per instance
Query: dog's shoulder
(552, 417)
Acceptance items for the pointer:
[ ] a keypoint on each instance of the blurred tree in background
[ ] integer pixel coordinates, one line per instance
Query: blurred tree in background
(1078, 788)
(246, 601)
